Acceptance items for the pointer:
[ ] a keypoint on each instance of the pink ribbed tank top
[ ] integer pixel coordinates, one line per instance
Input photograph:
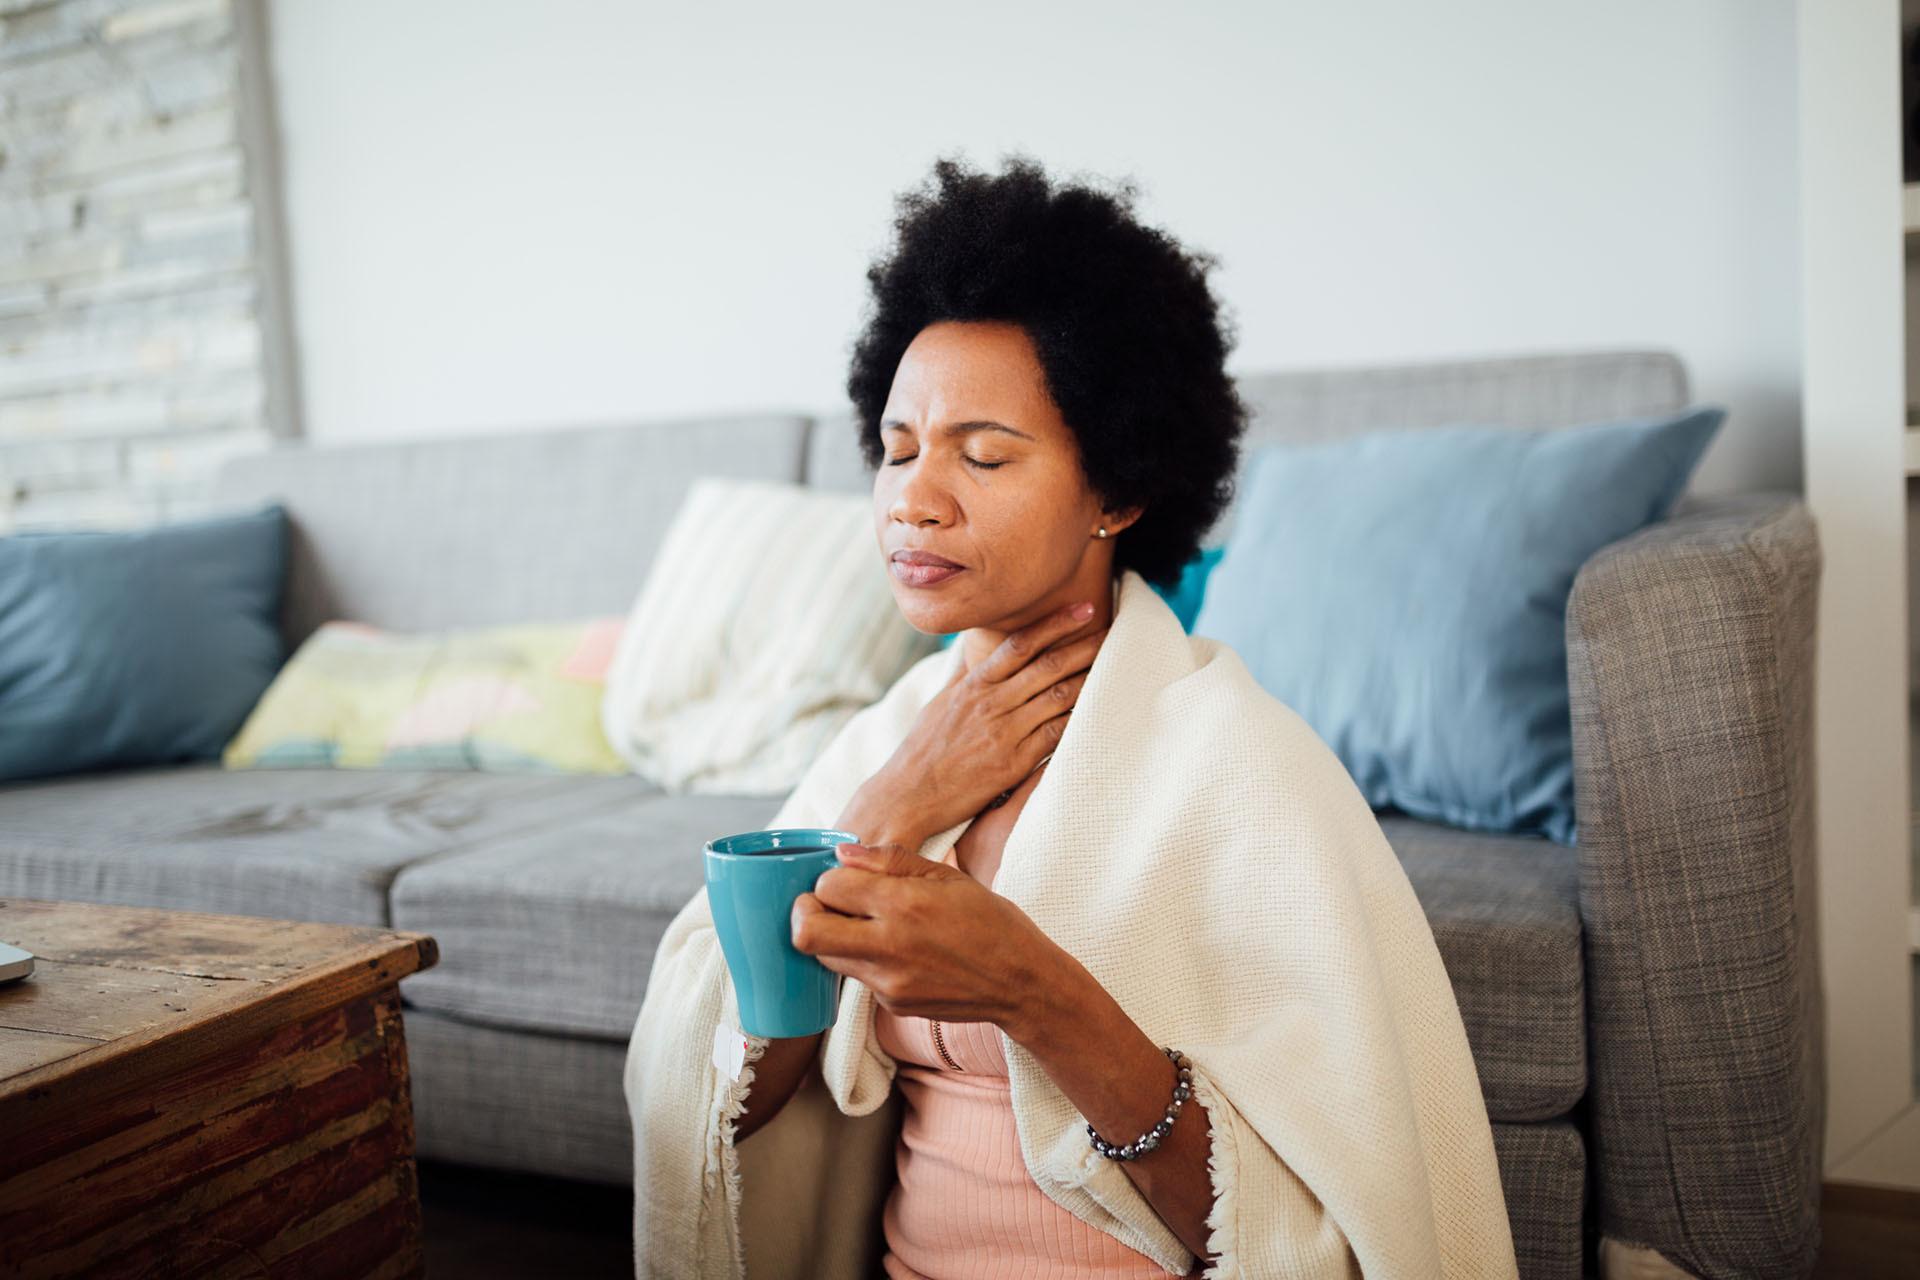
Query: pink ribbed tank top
(963, 1203)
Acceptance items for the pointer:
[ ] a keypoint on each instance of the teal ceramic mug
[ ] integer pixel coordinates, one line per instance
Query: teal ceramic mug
(752, 881)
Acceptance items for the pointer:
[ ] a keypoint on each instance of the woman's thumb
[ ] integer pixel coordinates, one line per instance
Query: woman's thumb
(888, 859)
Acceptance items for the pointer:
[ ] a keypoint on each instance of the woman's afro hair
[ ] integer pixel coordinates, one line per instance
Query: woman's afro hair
(1132, 343)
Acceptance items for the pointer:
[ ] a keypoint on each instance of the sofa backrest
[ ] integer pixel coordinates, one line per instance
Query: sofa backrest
(559, 524)
(1302, 406)
(514, 527)
(1538, 391)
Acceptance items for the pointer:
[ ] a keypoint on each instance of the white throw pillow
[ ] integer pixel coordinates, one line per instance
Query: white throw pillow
(765, 623)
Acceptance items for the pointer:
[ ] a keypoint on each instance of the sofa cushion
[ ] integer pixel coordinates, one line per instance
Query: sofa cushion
(767, 621)
(123, 647)
(522, 698)
(1406, 592)
(300, 844)
(555, 930)
(1505, 911)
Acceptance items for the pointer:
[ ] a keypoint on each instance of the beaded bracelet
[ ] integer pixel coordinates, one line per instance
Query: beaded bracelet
(1182, 1090)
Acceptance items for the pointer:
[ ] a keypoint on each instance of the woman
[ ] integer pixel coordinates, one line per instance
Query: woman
(1100, 872)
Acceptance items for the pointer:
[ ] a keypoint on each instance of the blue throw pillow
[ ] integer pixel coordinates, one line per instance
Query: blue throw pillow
(1406, 592)
(136, 647)
(1183, 597)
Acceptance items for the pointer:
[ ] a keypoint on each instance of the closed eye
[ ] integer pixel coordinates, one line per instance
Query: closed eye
(984, 466)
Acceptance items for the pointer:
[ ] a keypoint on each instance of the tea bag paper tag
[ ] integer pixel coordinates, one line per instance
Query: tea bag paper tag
(729, 1051)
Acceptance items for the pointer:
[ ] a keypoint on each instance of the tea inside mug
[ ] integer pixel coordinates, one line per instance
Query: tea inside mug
(754, 843)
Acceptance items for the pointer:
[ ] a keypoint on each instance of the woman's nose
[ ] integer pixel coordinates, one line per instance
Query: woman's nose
(921, 496)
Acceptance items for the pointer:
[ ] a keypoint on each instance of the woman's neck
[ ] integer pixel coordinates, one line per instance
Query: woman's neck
(978, 643)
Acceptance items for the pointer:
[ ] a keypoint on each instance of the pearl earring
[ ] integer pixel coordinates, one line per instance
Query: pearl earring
(1103, 531)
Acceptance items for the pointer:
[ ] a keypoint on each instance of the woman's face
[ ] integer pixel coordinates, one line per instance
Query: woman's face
(1008, 502)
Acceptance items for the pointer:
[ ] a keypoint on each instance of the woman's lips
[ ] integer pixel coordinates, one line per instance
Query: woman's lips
(922, 575)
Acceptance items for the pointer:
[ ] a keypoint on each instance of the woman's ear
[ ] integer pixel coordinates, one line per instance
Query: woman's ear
(1119, 519)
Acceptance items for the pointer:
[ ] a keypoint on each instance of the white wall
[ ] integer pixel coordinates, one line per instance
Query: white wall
(511, 215)
(1849, 68)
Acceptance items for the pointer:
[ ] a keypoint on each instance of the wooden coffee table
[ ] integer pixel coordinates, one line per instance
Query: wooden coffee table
(186, 1094)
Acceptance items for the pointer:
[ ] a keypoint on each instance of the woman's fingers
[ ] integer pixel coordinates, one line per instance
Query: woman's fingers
(855, 891)
(865, 970)
(1045, 738)
(818, 930)
(1056, 666)
(1020, 647)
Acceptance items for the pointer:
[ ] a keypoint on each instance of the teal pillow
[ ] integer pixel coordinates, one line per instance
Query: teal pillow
(1405, 592)
(136, 647)
(1183, 597)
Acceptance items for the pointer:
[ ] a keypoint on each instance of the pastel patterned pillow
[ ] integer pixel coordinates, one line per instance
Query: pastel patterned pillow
(510, 699)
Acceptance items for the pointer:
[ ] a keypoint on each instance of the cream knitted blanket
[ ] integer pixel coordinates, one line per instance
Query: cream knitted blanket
(1207, 857)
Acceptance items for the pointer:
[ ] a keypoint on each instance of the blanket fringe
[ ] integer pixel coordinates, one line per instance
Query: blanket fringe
(1223, 1163)
(731, 1101)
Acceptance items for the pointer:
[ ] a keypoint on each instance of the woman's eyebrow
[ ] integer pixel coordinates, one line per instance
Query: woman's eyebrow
(958, 428)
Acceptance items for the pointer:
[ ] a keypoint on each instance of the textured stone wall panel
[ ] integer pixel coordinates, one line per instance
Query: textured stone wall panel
(134, 345)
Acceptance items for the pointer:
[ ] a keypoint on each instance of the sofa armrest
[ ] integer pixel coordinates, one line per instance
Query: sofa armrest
(1690, 663)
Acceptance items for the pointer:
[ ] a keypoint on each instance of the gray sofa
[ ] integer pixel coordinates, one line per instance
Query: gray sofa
(1645, 1009)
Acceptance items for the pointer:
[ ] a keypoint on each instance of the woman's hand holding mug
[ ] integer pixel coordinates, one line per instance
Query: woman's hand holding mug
(927, 938)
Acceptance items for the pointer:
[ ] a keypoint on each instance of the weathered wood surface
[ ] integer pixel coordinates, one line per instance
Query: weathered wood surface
(185, 1094)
